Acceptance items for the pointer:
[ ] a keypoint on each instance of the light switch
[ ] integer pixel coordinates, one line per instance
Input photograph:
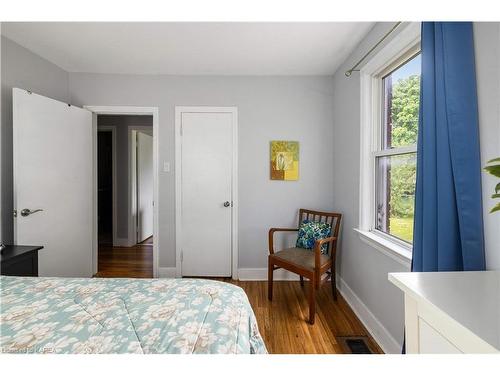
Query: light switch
(166, 166)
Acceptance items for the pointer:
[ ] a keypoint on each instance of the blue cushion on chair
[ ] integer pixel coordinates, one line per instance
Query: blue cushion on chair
(310, 232)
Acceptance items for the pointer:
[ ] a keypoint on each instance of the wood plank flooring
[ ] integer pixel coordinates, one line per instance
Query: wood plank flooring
(282, 322)
(136, 261)
(283, 325)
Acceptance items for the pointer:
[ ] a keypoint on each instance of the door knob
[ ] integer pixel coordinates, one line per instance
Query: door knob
(227, 204)
(28, 212)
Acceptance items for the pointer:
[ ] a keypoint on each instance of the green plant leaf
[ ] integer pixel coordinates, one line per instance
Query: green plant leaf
(493, 169)
(495, 209)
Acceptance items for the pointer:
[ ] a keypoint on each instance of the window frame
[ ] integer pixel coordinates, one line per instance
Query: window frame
(379, 134)
(402, 48)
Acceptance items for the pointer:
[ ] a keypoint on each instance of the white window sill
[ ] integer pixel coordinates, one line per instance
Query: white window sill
(393, 250)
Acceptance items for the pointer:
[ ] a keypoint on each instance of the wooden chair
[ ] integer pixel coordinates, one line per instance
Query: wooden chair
(304, 262)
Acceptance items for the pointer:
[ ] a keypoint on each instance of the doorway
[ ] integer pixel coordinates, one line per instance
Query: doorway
(134, 186)
(206, 191)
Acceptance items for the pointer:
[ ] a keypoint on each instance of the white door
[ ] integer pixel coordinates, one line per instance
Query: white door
(53, 173)
(144, 186)
(206, 193)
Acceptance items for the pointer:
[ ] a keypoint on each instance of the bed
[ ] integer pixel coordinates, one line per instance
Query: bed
(67, 315)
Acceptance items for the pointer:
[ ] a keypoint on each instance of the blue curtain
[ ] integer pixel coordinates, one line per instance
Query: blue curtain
(448, 229)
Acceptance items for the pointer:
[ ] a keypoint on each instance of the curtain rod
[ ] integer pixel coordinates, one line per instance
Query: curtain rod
(353, 69)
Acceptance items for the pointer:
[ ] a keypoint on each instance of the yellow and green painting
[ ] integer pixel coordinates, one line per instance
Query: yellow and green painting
(284, 160)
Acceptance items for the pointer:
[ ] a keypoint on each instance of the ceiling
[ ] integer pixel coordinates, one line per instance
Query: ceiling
(191, 48)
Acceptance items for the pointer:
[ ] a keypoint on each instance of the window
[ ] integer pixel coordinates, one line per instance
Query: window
(390, 96)
(395, 157)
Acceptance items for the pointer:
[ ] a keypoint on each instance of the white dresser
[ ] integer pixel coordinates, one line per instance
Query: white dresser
(451, 312)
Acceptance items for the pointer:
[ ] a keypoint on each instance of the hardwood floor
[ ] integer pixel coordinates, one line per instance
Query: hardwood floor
(136, 261)
(282, 322)
(283, 325)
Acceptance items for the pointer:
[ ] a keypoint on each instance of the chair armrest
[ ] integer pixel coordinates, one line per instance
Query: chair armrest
(317, 249)
(271, 235)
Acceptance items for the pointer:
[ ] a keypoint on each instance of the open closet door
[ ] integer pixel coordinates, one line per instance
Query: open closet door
(144, 186)
(53, 183)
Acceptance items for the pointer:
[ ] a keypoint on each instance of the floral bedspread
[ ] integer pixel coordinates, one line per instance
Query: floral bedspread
(66, 315)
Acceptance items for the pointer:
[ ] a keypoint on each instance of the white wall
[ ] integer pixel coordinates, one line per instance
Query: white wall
(487, 45)
(21, 68)
(288, 108)
(363, 268)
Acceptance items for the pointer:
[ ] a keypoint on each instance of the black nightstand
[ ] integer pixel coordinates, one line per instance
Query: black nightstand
(19, 260)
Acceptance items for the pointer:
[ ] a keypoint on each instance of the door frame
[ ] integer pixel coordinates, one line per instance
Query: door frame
(132, 174)
(112, 129)
(128, 110)
(178, 183)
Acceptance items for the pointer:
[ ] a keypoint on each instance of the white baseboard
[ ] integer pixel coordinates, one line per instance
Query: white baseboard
(379, 333)
(166, 272)
(260, 274)
(244, 274)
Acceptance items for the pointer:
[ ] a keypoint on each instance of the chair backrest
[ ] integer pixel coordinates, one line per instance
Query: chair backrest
(332, 218)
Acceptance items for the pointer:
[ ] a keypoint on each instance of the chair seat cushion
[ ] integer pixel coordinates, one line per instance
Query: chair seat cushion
(301, 257)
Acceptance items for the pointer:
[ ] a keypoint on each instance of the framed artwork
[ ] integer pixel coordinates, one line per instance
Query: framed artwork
(284, 160)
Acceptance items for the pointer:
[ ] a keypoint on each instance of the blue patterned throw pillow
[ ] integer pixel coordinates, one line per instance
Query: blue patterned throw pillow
(310, 232)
